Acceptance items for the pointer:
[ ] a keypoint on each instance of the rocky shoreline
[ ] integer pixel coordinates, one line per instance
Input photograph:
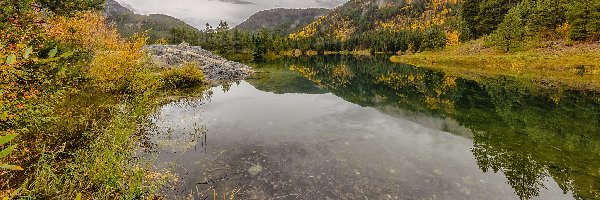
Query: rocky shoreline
(216, 69)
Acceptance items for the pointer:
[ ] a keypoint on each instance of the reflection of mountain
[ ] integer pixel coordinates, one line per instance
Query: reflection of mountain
(528, 133)
(446, 124)
(273, 78)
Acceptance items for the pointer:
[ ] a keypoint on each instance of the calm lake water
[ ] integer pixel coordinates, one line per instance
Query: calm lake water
(351, 128)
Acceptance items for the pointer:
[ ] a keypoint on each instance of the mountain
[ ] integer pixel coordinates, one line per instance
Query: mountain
(113, 8)
(159, 26)
(283, 20)
(402, 26)
(357, 22)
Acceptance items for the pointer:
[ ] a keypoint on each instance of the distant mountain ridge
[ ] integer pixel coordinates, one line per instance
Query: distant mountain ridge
(129, 23)
(113, 8)
(283, 20)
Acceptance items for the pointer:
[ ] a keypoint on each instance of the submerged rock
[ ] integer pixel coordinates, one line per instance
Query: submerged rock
(216, 68)
(255, 169)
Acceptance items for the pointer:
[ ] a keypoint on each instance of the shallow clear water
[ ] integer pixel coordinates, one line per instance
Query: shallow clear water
(347, 128)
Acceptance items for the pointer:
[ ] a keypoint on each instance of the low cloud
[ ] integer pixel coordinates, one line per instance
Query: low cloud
(330, 3)
(199, 12)
(238, 2)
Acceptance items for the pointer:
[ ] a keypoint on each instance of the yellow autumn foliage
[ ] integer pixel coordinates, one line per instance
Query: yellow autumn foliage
(437, 13)
(452, 38)
(117, 63)
(309, 30)
(341, 75)
(433, 96)
(343, 29)
(88, 29)
(307, 72)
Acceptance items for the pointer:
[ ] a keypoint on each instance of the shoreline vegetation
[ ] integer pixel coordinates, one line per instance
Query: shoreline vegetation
(573, 66)
(74, 97)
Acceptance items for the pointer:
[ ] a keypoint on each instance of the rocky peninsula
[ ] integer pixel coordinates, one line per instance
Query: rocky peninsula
(216, 69)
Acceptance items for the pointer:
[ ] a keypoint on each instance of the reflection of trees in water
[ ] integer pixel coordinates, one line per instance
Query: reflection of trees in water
(527, 132)
(350, 79)
(524, 174)
(534, 137)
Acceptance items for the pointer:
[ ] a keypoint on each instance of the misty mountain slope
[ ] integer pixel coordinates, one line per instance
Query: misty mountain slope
(283, 20)
(129, 23)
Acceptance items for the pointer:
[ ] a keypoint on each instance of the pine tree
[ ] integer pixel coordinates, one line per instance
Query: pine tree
(511, 31)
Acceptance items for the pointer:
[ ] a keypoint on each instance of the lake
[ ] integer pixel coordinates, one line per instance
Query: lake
(340, 127)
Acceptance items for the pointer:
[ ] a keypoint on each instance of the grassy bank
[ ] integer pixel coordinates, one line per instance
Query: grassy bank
(74, 94)
(576, 66)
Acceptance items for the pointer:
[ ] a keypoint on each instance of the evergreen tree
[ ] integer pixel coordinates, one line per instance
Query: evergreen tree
(469, 13)
(224, 43)
(260, 49)
(584, 18)
(511, 31)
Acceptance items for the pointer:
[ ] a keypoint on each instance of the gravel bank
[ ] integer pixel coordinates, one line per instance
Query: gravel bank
(216, 68)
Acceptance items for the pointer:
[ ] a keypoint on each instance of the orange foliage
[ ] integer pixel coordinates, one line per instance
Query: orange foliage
(86, 29)
(115, 60)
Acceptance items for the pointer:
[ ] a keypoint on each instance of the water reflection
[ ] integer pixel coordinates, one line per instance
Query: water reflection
(358, 128)
(528, 132)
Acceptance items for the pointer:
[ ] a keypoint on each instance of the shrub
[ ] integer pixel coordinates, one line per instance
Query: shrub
(189, 75)
(117, 64)
(72, 138)
(434, 38)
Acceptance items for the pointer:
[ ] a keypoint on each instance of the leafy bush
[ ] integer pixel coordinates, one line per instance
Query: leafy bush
(117, 64)
(62, 83)
(189, 75)
(434, 38)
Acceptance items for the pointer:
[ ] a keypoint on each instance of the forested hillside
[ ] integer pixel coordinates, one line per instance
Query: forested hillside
(159, 26)
(281, 20)
(414, 25)
(384, 25)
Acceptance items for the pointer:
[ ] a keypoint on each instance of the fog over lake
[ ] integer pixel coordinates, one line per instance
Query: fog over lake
(199, 12)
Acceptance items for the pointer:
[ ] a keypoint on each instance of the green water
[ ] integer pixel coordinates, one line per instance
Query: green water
(365, 128)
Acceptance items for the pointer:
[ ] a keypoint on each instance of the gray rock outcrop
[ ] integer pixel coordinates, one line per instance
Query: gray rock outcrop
(113, 8)
(216, 68)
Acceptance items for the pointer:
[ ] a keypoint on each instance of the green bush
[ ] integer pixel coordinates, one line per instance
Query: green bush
(189, 75)
(434, 38)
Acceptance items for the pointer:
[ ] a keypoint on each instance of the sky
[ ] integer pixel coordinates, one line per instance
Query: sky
(199, 12)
